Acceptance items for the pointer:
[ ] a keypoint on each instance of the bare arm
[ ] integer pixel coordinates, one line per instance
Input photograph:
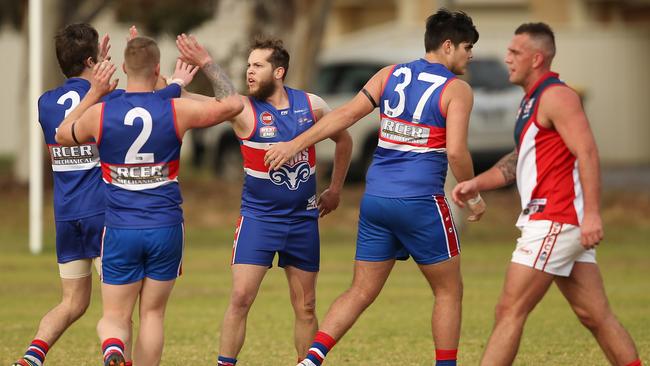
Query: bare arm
(561, 107)
(338, 120)
(459, 100)
(224, 106)
(329, 200)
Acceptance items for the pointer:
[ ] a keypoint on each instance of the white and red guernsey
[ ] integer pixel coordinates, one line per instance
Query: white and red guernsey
(547, 172)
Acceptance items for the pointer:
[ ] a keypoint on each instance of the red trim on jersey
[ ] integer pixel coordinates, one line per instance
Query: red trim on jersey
(311, 110)
(383, 87)
(254, 158)
(106, 172)
(174, 167)
(444, 113)
(236, 239)
(254, 120)
(101, 124)
(178, 134)
(549, 74)
(448, 225)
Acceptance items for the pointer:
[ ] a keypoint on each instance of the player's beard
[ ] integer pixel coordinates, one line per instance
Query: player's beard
(265, 89)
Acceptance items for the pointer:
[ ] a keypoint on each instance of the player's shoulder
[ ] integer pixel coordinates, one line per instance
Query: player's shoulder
(559, 94)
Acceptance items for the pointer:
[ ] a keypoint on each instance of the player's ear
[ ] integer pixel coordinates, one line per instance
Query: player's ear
(156, 70)
(538, 59)
(447, 46)
(124, 67)
(278, 73)
(89, 62)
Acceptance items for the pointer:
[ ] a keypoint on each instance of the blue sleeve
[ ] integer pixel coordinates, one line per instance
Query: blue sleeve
(171, 91)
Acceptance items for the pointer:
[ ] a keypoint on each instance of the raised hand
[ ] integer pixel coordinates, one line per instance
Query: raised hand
(133, 32)
(183, 73)
(100, 82)
(191, 51)
(104, 47)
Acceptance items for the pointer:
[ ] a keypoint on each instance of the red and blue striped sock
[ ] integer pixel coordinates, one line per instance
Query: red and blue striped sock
(636, 362)
(128, 363)
(112, 345)
(226, 361)
(36, 352)
(323, 343)
(446, 357)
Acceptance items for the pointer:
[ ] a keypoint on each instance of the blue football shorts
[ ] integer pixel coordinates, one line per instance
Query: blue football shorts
(297, 243)
(79, 239)
(396, 228)
(130, 255)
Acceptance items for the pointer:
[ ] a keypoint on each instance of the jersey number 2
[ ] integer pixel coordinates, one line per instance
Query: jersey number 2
(435, 80)
(134, 156)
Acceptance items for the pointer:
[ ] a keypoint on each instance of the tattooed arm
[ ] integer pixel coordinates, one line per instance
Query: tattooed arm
(199, 112)
(503, 173)
(508, 167)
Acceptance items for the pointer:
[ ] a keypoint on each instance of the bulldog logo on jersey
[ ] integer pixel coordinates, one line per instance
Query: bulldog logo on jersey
(293, 172)
(292, 176)
(266, 118)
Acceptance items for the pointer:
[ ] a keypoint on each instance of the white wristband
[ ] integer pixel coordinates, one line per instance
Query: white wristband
(180, 82)
(475, 200)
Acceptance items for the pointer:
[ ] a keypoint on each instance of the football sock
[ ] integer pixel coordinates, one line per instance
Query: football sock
(636, 362)
(128, 363)
(323, 343)
(226, 361)
(36, 352)
(446, 357)
(112, 345)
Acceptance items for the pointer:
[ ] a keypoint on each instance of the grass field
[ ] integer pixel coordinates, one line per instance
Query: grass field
(395, 330)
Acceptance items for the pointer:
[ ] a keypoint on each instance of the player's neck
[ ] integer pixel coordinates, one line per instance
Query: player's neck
(534, 78)
(139, 86)
(434, 58)
(87, 74)
(279, 99)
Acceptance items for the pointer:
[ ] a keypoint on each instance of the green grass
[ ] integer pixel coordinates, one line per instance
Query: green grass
(395, 330)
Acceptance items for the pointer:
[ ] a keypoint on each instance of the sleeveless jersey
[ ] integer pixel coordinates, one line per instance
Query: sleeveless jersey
(139, 147)
(411, 156)
(547, 172)
(290, 192)
(78, 191)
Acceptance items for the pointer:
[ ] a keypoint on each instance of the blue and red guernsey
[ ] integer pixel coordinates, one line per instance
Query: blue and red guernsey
(411, 155)
(78, 191)
(290, 192)
(139, 147)
(547, 172)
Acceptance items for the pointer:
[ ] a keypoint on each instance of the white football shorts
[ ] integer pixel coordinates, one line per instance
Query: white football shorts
(551, 247)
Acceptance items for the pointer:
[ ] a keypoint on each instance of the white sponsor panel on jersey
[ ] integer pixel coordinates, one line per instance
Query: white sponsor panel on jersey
(404, 132)
(136, 178)
(72, 158)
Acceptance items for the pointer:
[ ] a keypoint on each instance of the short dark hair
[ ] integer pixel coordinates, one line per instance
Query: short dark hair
(540, 31)
(445, 25)
(74, 44)
(279, 57)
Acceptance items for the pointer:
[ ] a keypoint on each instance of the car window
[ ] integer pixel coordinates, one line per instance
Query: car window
(488, 74)
(344, 78)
